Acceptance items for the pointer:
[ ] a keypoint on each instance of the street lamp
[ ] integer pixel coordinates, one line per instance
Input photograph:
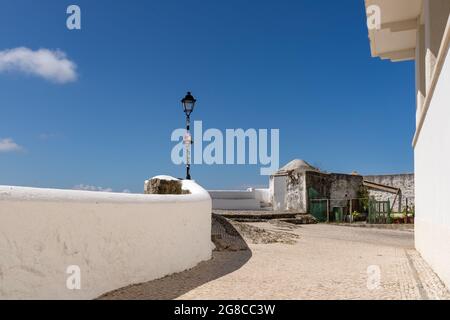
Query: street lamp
(188, 103)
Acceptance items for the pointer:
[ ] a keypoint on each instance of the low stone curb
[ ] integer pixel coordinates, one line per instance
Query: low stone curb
(399, 227)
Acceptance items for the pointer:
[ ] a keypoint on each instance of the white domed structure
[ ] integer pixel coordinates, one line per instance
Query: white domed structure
(297, 165)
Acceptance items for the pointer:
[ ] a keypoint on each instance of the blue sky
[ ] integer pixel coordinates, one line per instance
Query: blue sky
(302, 66)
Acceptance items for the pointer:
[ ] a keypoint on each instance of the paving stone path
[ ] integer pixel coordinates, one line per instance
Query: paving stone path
(302, 262)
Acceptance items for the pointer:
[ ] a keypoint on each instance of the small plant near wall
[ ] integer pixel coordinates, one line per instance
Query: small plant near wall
(356, 216)
(364, 196)
(412, 211)
(405, 215)
(410, 214)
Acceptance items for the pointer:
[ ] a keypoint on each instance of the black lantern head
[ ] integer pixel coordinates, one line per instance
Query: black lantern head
(188, 104)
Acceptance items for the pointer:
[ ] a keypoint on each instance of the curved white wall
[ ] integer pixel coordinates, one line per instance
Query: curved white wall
(115, 239)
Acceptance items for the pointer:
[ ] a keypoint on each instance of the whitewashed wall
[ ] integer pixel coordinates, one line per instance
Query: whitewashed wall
(432, 163)
(278, 190)
(263, 195)
(234, 200)
(116, 239)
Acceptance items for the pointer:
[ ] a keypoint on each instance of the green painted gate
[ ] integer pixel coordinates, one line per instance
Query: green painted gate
(379, 212)
(317, 206)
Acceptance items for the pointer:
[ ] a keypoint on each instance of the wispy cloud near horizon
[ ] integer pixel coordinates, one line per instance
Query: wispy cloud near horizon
(51, 65)
(8, 145)
(86, 187)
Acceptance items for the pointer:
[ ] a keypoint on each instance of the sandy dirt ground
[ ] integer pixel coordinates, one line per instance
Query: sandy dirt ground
(274, 260)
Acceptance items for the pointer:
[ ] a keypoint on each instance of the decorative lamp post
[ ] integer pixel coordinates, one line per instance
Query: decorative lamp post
(188, 103)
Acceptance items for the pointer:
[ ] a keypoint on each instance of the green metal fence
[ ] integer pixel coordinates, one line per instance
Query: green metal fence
(379, 212)
(351, 210)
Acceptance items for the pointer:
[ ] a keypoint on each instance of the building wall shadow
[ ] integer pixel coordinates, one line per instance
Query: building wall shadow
(232, 252)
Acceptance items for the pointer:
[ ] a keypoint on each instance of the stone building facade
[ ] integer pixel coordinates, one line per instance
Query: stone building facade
(294, 186)
(405, 182)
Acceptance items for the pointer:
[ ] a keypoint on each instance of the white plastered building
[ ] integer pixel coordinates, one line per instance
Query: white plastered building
(420, 30)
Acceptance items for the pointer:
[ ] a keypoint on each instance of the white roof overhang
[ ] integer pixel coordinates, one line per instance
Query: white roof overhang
(395, 39)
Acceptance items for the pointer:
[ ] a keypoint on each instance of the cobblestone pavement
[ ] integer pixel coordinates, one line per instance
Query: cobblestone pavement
(324, 262)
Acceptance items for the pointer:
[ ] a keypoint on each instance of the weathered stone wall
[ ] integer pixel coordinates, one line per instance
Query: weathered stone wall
(160, 186)
(296, 197)
(403, 181)
(337, 187)
(318, 185)
(345, 186)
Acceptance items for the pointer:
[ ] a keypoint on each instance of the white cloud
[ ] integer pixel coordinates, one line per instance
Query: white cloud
(8, 145)
(48, 64)
(86, 187)
(91, 188)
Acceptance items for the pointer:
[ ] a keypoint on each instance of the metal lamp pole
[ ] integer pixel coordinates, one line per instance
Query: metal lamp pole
(188, 143)
(188, 103)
